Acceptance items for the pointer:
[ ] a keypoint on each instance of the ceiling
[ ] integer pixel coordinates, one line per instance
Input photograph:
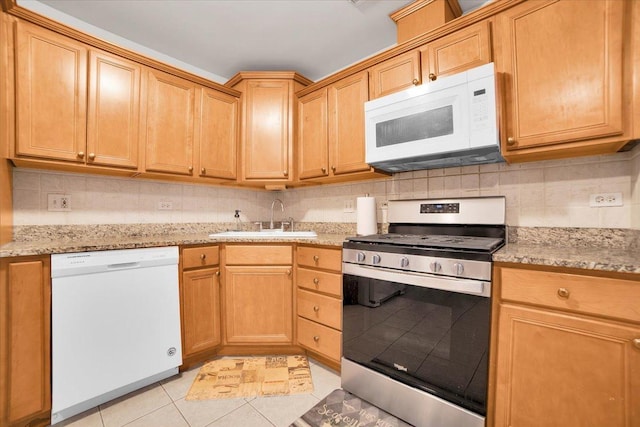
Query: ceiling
(221, 37)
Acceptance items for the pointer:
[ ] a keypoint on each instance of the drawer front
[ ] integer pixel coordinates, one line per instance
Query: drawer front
(319, 338)
(320, 308)
(315, 280)
(200, 257)
(598, 296)
(328, 259)
(259, 255)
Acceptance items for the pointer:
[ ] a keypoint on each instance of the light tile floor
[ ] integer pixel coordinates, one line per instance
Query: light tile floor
(163, 405)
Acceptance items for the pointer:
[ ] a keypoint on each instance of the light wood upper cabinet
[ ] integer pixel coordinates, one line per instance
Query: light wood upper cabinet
(562, 335)
(114, 111)
(395, 74)
(217, 134)
(346, 124)
(25, 341)
(563, 64)
(168, 134)
(313, 155)
(51, 94)
(466, 48)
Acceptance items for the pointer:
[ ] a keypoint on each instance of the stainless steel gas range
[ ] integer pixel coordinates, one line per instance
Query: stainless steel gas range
(416, 310)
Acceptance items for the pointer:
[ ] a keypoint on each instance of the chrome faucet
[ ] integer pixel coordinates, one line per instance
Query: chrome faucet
(272, 206)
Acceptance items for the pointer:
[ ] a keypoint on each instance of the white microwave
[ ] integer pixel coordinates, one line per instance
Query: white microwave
(449, 122)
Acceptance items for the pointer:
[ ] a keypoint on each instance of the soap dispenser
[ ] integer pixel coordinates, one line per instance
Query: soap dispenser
(238, 222)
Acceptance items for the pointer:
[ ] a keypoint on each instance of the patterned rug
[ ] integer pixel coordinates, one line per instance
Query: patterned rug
(343, 409)
(252, 376)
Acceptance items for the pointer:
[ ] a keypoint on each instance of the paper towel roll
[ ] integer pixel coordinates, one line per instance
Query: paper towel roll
(366, 216)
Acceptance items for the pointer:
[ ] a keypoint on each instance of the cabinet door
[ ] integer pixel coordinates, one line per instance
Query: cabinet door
(258, 305)
(467, 48)
(395, 74)
(559, 370)
(346, 124)
(169, 128)
(313, 154)
(267, 146)
(217, 134)
(114, 111)
(200, 310)
(25, 336)
(51, 94)
(563, 64)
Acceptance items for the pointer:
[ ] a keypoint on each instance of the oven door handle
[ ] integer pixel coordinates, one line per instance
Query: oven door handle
(425, 280)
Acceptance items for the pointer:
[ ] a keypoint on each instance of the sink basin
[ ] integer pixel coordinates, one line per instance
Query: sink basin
(267, 234)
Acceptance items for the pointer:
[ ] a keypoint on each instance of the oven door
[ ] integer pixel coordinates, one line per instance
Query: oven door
(419, 329)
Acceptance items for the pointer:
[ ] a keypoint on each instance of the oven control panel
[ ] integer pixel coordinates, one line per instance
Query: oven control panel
(436, 208)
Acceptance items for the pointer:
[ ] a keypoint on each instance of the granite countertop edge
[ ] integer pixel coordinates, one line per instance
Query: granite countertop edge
(14, 249)
(585, 258)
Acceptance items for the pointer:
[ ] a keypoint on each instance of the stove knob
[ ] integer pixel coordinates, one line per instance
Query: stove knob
(435, 266)
(361, 256)
(404, 262)
(458, 268)
(376, 259)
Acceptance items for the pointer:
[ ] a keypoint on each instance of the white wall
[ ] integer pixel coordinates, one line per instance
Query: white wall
(552, 194)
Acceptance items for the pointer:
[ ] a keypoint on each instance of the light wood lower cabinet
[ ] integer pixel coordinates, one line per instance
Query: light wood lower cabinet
(566, 351)
(25, 341)
(258, 294)
(200, 303)
(319, 302)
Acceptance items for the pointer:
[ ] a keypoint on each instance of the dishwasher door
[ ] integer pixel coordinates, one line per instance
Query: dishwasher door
(115, 325)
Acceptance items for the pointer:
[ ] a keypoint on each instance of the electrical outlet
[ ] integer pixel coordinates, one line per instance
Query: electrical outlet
(348, 206)
(58, 202)
(605, 199)
(165, 206)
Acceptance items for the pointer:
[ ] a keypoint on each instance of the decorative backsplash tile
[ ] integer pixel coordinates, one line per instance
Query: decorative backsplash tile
(539, 194)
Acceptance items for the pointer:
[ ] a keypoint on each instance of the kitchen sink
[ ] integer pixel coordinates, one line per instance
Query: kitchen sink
(267, 234)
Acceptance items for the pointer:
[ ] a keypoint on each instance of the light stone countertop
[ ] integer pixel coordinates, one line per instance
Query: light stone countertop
(55, 246)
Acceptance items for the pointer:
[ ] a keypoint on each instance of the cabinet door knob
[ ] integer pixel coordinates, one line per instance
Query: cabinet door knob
(81, 154)
(203, 171)
(316, 281)
(316, 258)
(432, 77)
(324, 170)
(190, 168)
(333, 168)
(636, 343)
(511, 141)
(316, 338)
(203, 256)
(563, 293)
(316, 308)
(218, 273)
(285, 173)
(288, 272)
(415, 82)
(92, 156)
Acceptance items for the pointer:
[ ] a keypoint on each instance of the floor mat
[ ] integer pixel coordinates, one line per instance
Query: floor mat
(343, 409)
(252, 376)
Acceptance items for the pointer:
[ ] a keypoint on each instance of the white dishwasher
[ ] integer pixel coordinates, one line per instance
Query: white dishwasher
(115, 325)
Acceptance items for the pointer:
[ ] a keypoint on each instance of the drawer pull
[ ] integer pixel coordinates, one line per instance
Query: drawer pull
(316, 308)
(316, 258)
(316, 338)
(563, 293)
(316, 281)
(203, 256)
(636, 343)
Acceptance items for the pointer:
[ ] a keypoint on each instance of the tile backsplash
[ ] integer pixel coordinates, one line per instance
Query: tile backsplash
(548, 193)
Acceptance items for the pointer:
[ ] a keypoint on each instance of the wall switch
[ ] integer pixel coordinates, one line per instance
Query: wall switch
(165, 206)
(58, 202)
(348, 206)
(605, 199)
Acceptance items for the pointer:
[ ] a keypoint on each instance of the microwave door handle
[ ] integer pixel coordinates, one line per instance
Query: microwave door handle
(425, 280)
